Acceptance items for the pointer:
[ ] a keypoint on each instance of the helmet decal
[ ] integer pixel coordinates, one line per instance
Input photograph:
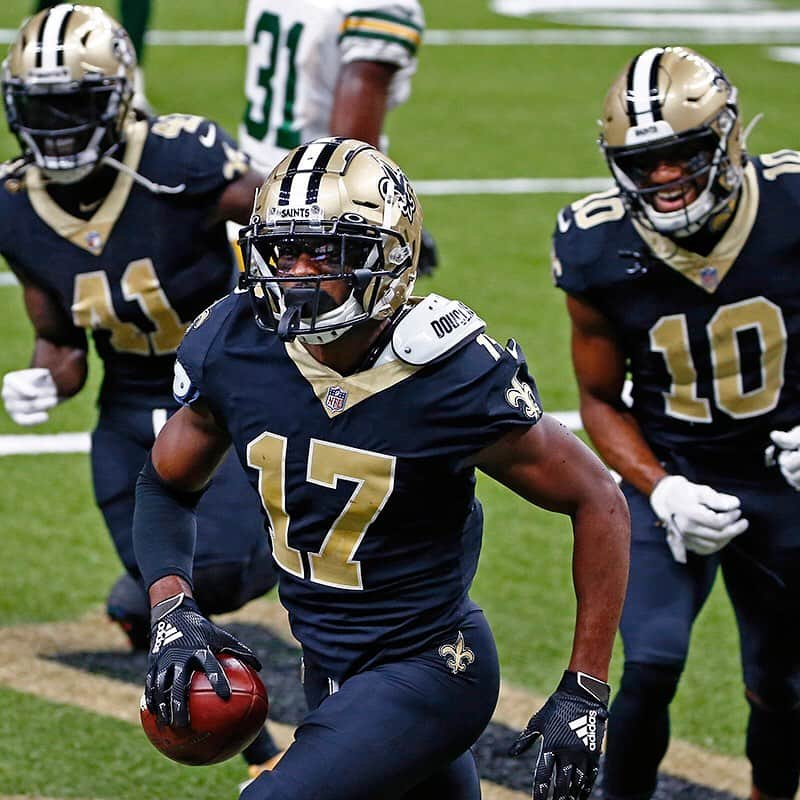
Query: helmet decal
(67, 88)
(333, 242)
(672, 106)
(394, 187)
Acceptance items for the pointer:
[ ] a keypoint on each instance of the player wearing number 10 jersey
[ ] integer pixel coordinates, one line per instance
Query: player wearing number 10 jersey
(684, 277)
(116, 225)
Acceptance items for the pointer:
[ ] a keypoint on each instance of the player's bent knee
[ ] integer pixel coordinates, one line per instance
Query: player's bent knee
(654, 684)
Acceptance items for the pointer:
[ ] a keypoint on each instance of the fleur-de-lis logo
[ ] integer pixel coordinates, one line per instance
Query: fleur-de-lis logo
(457, 656)
(236, 162)
(520, 395)
(395, 188)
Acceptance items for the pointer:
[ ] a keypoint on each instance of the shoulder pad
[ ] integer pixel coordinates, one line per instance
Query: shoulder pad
(587, 241)
(171, 126)
(433, 329)
(780, 168)
(206, 312)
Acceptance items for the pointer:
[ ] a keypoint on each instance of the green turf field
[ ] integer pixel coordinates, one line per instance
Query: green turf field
(476, 112)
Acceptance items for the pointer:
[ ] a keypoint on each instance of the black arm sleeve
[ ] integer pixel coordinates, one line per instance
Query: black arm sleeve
(164, 527)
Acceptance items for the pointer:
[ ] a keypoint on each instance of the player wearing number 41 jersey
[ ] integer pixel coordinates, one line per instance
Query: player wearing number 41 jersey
(683, 276)
(115, 225)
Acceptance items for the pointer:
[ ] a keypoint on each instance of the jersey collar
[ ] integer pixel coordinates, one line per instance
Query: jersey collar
(92, 234)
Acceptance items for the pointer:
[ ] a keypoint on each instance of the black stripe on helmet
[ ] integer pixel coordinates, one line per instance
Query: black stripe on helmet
(40, 38)
(655, 106)
(286, 184)
(318, 170)
(629, 94)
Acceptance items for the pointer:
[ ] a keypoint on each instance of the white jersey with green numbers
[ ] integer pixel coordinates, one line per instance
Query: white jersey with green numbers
(295, 51)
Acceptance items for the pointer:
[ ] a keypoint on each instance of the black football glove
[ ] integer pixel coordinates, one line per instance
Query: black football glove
(566, 735)
(428, 254)
(182, 641)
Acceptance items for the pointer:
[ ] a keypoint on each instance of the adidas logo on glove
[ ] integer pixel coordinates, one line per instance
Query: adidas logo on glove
(585, 729)
(166, 633)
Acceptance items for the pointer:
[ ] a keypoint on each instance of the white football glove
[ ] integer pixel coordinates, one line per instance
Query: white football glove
(696, 517)
(785, 450)
(28, 394)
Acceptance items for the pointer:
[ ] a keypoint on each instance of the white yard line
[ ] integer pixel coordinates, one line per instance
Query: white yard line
(788, 54)
(512, 186)
(30, 444)
(485, 186)
(757, 24)
(38, 444)
(752, 30)
(522, 8)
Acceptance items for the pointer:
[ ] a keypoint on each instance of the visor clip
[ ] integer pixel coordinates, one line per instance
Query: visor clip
(361, 278)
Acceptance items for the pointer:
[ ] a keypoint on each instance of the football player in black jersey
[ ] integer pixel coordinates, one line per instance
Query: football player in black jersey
(115, 224)
(683, 277)
(360, 414)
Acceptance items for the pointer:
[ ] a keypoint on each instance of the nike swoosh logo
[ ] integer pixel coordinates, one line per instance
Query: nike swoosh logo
(209, 138)
(88, 207)
(563, 223)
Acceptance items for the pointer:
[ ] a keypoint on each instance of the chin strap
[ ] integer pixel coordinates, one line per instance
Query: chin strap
(750, 125)
(155, 188)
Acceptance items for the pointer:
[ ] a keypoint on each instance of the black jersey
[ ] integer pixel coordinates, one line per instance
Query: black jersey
(363, 478)
(145, 264)
(711, 341)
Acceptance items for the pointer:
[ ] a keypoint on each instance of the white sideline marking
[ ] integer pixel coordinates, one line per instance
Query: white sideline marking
(519, 8)
(781, 31)
(28, 444)
(788, 54)
(475, 187)
(512, 186)
(38, 444)
(761, 22)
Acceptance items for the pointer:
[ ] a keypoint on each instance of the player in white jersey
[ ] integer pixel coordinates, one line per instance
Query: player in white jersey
(327, 67)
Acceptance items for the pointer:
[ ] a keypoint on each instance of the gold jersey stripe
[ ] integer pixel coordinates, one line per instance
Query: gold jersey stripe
(405, 35)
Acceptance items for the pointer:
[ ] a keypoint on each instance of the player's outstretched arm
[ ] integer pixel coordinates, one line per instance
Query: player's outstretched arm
(360, 100)
(549, 466)
(184, 457)
(58, 366)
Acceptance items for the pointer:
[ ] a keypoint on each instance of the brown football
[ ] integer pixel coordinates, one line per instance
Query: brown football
(218, 729)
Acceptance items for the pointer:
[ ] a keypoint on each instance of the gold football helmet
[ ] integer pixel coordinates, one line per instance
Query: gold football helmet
(349, 207)
(671, 104)
(67, 88)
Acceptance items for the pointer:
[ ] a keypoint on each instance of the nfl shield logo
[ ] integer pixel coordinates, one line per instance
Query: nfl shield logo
(709, 277)
(335, 399)
(94, 241)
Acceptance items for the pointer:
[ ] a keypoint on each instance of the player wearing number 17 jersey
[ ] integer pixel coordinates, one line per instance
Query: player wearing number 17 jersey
(683, 276)
(115, 225)
(360, 414)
